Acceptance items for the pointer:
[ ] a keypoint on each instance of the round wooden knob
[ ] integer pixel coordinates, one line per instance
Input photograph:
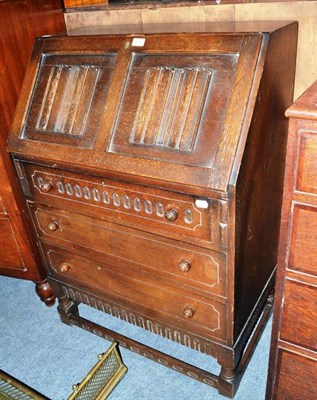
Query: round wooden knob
(188, 312)
(171, 215)
(46, 186)
(52, 226)
(184, 266)
(64, 267)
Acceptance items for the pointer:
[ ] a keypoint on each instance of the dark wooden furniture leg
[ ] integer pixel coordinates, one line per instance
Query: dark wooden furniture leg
(45, 292)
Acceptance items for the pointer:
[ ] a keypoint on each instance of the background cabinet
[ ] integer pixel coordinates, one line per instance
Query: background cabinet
(20, 23)
(293, 361)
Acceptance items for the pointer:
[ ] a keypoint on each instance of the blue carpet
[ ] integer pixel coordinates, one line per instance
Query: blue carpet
(39, 350)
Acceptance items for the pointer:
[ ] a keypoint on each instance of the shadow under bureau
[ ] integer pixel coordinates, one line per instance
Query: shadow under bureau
(153, 165)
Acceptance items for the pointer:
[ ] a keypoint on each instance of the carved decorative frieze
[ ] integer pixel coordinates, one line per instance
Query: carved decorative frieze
(118, 199)
(164, 330)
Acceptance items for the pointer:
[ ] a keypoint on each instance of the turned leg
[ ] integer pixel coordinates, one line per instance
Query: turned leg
(45, 292)
(227, 382)
(65, 308)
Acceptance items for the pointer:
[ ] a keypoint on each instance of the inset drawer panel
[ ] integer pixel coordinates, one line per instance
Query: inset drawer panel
(296, 373)
(142, 207)
(299, 322)
(181, 308)
(307, 162)
(303, 251)
(188, 264)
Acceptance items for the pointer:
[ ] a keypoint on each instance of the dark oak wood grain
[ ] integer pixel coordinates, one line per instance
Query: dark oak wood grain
(20, 23)
(153, 166)
(293, 360)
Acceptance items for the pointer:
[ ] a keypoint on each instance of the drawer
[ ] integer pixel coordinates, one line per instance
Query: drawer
(303, 249)
(295, 378)
(307, 161)
(300, 304)
(186, 265)
(161, 302)
(167, 213)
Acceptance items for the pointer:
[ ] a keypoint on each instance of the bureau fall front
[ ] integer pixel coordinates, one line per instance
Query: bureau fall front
(152, 165)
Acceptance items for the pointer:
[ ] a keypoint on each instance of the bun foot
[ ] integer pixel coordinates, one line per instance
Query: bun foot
(45, 292)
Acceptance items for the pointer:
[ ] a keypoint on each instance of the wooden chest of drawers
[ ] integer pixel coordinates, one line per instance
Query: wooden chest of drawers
(293, 359)
(153, 167)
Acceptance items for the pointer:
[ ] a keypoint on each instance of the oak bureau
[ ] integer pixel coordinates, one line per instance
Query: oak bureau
(153, 165)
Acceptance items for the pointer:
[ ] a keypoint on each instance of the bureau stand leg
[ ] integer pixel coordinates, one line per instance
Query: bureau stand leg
(229, 379)
(66, 308)
(227, 382)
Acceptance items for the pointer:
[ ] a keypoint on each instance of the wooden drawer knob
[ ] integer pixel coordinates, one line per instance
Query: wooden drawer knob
(46, 186)
(52, 226)
(64, 267)
(184, 266)
(188, 312)
(171, 215)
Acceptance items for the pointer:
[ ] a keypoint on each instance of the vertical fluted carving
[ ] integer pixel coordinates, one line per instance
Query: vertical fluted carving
(67, 99)
(170, 107)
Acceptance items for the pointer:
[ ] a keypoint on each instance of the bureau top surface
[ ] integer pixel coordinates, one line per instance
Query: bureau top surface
(169, 107)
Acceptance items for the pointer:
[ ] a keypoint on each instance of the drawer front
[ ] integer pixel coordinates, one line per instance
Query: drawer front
(303, 249)
(177, 307)
(307, 161)
(144, 208)
(299, 317)
(188, 265)
(296, 377)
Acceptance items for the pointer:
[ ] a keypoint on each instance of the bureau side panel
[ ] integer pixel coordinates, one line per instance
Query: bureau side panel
(260, 180)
